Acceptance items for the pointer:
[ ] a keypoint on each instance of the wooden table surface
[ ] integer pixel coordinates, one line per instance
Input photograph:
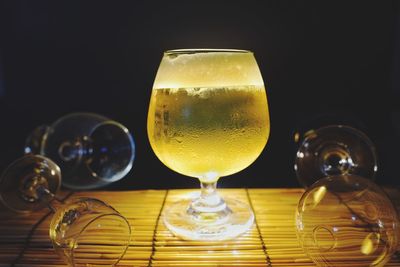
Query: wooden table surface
(270, 242)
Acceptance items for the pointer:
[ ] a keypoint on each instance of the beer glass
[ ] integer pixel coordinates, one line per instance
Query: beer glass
(91, 150)
(208, 117)
(347, 220)
(84, 231)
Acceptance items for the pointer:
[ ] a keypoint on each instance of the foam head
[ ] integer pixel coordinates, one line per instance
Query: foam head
(185, 68)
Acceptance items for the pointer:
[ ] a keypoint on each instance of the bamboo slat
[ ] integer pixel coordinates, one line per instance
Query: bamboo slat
(270, 242)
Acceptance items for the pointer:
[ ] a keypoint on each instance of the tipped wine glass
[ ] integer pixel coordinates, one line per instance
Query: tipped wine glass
(91, 150)
(334, 150)
(347, 220)
(208, 117)
(79, 227)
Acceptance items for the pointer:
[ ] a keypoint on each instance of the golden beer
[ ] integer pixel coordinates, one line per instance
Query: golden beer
(208, 132)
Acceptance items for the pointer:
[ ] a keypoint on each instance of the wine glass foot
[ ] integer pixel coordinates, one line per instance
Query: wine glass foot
(208, 228)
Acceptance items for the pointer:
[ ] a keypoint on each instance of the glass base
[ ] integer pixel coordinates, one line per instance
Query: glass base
(208, 228)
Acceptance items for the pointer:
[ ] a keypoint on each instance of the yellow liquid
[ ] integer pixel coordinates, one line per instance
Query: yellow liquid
(208, 132)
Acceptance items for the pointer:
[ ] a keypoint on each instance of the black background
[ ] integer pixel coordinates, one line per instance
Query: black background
(316, 57)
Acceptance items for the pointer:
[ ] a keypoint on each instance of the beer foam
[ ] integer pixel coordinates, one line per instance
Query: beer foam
(207, 68)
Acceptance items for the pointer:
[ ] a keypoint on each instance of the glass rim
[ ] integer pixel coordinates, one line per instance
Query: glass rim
(113, 213)
(205, 50)
(122, 173)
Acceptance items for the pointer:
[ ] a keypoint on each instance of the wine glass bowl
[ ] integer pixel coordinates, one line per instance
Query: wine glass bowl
(91, 150)
(88, 225)
(347, 220)
(335, 150)
(208, 118)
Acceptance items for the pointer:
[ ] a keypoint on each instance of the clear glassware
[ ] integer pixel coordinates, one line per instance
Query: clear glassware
(89, 226)
(208, 117)
(91, 150)
(85, 231)
(334, 150)
(347, 220)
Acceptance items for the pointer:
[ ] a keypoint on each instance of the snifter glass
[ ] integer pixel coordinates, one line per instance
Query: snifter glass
(347, 220)
(83, 231)
(91, 150)
(208, 118)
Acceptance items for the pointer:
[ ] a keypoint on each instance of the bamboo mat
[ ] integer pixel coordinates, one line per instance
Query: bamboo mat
(270, 242)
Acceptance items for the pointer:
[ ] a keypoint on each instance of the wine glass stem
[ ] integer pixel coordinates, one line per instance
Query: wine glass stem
(209, 195)
(75, 150)
(209, 202)
(44, 192)
(336, 160)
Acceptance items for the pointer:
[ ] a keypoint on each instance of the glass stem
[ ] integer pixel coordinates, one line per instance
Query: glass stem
(209, 202)
(44, 192)
(75, 150)
(335, 159)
